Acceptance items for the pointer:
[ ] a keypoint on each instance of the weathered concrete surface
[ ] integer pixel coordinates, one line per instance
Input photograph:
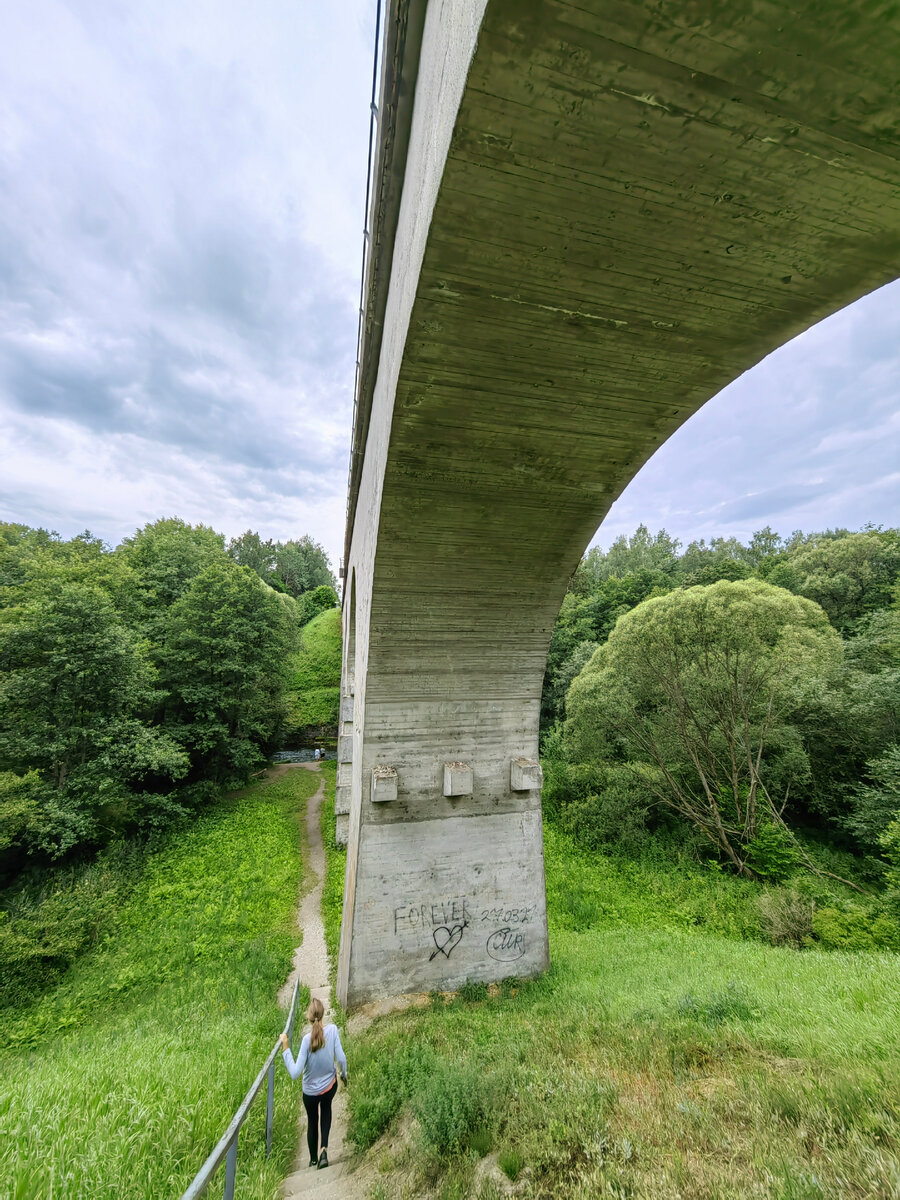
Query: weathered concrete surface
(610, 210)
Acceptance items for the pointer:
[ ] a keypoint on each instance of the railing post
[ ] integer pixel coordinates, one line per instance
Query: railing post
(227, 1145)
(231, 1168)
(270, 1109)
(293, 1014)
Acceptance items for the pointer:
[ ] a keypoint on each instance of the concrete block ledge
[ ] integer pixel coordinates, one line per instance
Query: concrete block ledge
(459, 779)
(384, 785)
(525, 775)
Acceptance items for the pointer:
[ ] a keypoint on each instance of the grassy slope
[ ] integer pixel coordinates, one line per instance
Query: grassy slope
(314, 691)
(335, 865)
(657, 887)
(655, 1059)
(127, 1072)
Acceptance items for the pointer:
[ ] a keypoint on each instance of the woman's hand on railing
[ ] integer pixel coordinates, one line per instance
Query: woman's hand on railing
(285, 1044)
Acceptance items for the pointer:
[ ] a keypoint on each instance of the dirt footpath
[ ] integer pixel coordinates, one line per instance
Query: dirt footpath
(311, 968)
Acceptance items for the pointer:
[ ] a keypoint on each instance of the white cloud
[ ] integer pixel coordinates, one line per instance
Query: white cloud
(181, 193)
(810, 438)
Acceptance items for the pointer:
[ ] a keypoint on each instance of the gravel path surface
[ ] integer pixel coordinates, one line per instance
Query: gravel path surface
(311, 967)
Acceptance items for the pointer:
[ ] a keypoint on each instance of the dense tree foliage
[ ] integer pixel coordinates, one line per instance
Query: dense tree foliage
(224, 670)
(74, 685)
(303, 565)
(750, 692)
(696, 692)
(851, 575)
(295, 567)
(135, 681)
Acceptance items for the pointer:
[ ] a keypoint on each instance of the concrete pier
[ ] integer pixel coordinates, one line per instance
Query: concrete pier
(586, 220)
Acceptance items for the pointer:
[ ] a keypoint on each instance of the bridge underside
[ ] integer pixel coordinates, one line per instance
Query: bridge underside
(637, 203)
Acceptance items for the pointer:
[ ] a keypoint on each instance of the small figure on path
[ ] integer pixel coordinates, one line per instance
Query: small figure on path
(318, 754)
(321, 1057)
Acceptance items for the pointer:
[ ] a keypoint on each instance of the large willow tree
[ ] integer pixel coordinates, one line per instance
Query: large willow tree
(696, 691)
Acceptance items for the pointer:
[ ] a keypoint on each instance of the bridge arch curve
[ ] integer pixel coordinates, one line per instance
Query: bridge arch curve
(606, 215)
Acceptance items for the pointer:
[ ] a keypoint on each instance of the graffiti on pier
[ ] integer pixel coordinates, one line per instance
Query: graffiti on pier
(506, 945)
(446, 940)
(448, 912)
(441, 922)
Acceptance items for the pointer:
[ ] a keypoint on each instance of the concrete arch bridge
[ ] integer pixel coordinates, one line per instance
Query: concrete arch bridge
(587, 217)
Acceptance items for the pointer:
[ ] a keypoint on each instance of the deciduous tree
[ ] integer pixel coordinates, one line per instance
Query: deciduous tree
(224, 668)
(74, 685)
(697, 690)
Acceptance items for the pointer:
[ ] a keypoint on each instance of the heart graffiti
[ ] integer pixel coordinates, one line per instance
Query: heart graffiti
(445, 940)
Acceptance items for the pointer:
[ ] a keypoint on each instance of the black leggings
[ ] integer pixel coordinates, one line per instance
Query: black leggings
(315, 1105)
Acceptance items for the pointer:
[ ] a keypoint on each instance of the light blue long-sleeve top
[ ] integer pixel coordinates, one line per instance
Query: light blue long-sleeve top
(318, 1066)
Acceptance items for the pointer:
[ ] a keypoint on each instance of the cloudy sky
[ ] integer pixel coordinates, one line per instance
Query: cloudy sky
(181, 196)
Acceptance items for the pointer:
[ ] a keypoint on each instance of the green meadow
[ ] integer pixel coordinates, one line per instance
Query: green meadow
(313, 691)
(668, 1053)
(119, 1080)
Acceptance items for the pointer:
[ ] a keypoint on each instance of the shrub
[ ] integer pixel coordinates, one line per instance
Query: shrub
(511, 1163)
(384, 1091)
(316, 601)
(615, 816)
(772, 854)
(565, 781)
(855, 929)
(600, 806)
(730, 1003)
(786, 918)
(451, 1105)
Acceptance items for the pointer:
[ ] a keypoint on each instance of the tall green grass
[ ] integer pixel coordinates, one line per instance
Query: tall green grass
(314, 687)
(588, 890)
(661, 886)
(668, 1054)
(119, 1080)
(653, 1064)
(335, 867)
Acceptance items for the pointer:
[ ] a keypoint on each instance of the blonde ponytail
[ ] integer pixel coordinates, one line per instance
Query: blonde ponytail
(314, 1014)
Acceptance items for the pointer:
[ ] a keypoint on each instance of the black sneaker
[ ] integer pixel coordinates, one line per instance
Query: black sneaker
(323, 1159)
(313, 1162)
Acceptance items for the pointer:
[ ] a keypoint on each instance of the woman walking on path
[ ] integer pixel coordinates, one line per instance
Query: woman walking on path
(321, 1057)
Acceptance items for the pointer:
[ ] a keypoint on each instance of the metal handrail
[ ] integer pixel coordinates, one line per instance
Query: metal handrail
(227, 1145)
